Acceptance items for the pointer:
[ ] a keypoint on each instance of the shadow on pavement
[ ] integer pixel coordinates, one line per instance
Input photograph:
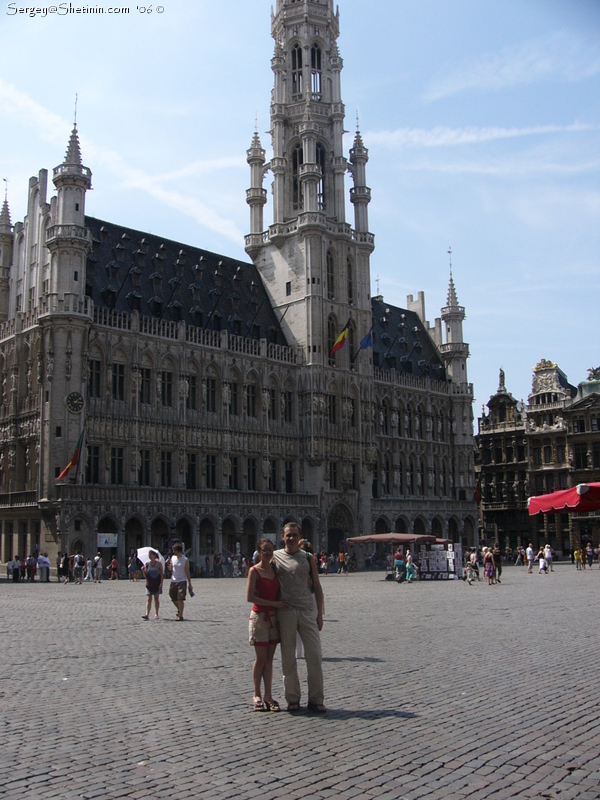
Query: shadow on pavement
(367, 713)
(357, 658)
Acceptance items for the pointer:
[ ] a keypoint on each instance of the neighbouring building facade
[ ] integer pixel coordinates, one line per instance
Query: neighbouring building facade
(552, 443)
(211, 405)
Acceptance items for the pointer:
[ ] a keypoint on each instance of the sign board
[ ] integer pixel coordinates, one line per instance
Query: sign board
(108, 540)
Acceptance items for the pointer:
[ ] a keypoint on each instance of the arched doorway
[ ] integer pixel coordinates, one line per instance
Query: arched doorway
(382, 525)
(401, 525)
(339, 527)
(184, 533)
(249, 539)
(453, 529)
(437, 528)
(134, 535)
(229, 536)
(308, 533)
(207, 536)
(159, 535)
(107, 539)
(420, 526)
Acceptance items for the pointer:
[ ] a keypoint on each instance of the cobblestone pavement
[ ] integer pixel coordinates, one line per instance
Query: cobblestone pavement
(434, 690)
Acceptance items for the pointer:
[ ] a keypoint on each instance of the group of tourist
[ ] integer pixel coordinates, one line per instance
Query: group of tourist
(25, 569)
(586, 555)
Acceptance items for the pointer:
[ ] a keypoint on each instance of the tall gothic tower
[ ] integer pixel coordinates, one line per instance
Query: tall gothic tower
(315, 266)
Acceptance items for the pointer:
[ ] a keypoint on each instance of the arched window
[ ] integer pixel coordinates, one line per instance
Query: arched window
(297, 161)
(351, 345)
(321, 184)
(296, 72)
(315, 72)
(331, 337)
(330, 276)
(350, 280)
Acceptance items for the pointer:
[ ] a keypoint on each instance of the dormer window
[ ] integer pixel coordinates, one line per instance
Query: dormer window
(315, 72)
(296, 72)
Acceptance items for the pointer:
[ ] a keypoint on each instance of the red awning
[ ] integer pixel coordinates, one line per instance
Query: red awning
(584, 497)
(388, 538)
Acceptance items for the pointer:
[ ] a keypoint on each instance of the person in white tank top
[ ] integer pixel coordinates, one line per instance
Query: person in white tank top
(180, 580)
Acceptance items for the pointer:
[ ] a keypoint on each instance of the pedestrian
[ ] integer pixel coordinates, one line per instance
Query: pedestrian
(262, 590)
(530, 557)
(64, 568)
(497, 555)
(31, 564)
(299, 579)
(577, 557)
(399, 565)
(207, 566)
(59, 566)
(132, 567)
(113, 570)
(548, 555)
(154, 574)
(89, 567)
(488, 566)
(410, 567)
(78, 563)
(542, 562)
(180, 579)
(43, 565)
(16, 569)
(342, 562)
(589, 554)
(98, 564)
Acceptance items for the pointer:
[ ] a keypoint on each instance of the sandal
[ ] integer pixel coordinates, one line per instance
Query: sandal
(258, 704)
(272, 705)
(293, 707)
(316, 708)
(144, 616)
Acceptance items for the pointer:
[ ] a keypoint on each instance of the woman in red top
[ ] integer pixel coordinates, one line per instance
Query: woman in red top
(262, 590)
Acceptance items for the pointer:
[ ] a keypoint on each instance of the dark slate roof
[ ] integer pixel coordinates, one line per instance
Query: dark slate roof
(128, 269)
(401, 342)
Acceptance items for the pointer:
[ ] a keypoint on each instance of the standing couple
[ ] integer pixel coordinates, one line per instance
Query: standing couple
(287, 599)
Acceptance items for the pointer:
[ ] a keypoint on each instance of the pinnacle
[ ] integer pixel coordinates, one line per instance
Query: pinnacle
(452, 298)
(5, 223)
(73, 154)
(358, 141)
(256, 144)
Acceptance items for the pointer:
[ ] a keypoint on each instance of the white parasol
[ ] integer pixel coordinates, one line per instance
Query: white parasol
(143, 554)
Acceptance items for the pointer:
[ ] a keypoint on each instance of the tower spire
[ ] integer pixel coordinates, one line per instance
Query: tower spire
(5, 223)
(452, 299)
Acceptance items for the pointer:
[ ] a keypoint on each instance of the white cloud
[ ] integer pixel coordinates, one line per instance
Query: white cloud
(441, 136)
(53, 128)
(554, 56)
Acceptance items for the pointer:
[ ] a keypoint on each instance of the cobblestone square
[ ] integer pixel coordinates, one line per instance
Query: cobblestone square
(434, 690)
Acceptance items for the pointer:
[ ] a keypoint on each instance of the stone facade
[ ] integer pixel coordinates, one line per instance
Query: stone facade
(552, 443)
(211, 405)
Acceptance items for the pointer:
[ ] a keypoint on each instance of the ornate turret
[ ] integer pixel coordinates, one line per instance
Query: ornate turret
(360, 194)
(6, 253)
(455, 351)
(256, 196)
(68, 238)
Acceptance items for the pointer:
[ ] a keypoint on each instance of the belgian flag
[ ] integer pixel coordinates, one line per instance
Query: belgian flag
(74, 459)
(341, 339)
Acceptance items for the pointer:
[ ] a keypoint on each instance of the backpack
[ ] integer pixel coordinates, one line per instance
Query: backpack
(79, 561)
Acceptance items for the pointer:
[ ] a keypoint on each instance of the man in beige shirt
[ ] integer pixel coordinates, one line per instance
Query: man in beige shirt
(300, 587)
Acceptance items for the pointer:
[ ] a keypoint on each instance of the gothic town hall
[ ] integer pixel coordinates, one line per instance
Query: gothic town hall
(198, 394)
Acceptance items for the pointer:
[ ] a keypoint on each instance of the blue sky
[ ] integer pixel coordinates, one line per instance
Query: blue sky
(482, 120)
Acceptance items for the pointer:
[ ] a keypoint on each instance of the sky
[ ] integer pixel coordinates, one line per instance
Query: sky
(482, 122)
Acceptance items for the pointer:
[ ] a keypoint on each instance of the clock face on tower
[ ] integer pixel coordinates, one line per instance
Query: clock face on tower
(75, 402)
